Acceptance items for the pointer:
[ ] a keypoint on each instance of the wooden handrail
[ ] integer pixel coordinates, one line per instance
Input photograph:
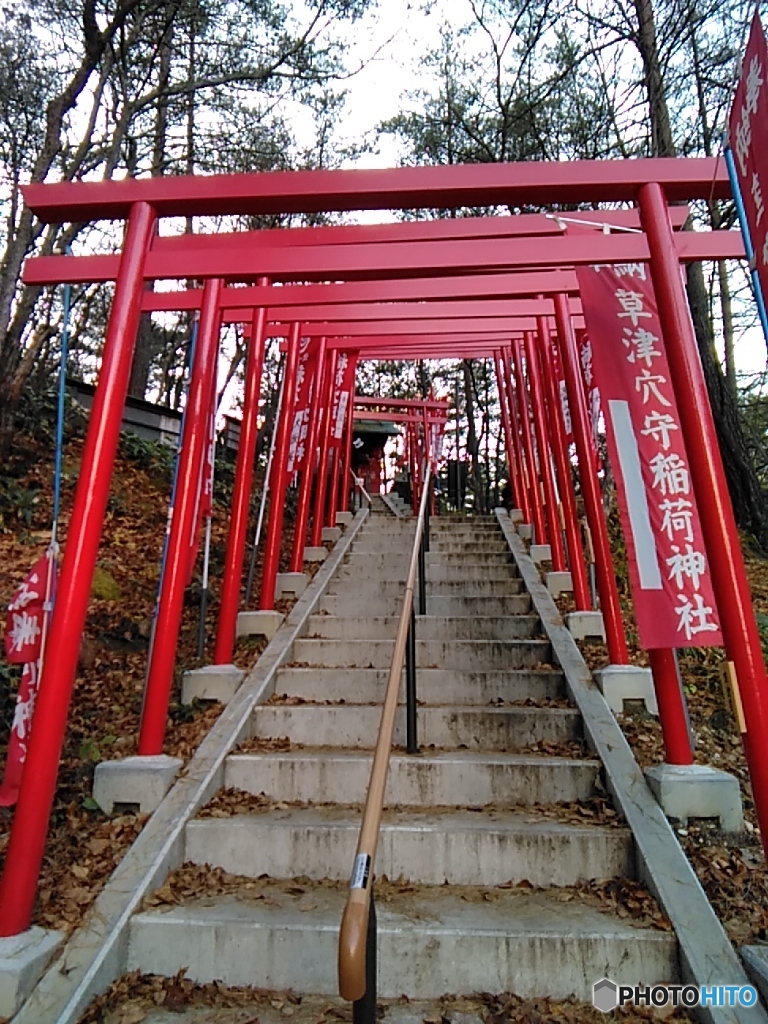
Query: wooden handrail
(354, 922)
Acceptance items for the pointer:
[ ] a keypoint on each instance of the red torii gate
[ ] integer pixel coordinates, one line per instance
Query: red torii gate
(412, 271)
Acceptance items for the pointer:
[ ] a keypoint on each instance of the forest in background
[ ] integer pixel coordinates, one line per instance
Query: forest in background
(98, 89)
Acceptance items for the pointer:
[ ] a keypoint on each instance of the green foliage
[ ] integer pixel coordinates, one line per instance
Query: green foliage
(18, 504)
(155, 457)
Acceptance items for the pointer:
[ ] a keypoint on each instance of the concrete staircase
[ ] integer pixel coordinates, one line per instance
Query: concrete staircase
(475, 841)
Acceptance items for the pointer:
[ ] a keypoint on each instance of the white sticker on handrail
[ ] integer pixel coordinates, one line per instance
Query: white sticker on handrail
(360, 871)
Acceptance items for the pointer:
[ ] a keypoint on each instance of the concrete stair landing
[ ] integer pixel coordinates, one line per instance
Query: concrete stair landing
(487, 855)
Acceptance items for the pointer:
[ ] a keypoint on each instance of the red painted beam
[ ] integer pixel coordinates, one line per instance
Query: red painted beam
(402, 403)
(452, 228)
(381, 312)
(397, 417)
(400, 259)
(363, 329)
(404, 188)
(417, 289)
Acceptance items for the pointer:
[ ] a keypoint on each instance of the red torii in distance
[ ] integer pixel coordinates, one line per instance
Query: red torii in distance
(376, 272)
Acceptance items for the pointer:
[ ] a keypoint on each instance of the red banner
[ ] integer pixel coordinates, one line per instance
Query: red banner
(24, 629)
(343, 390)
(671, 584)
(748, 138)
(306, 378)
(591, 390)
(24, 621)
(562, 392)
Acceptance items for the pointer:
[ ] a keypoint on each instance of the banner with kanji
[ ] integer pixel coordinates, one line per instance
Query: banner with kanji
(562, 392)
(670, 578)
(748, 138)
(24, 629)
(343, 392)
(591, 390)
(306, 379)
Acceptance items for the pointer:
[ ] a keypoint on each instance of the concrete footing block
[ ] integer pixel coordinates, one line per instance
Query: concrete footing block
(585, 625)
(559, 583)
(259, 623)
(343, 518)
(290, 584)
(627, 682)
(540, 553)
(141, 781)
(697, 791)
(516, 515)
(525, 530)
(331, 534)
(755, 959)
(211, 682)
(23, 959)
(318, 554)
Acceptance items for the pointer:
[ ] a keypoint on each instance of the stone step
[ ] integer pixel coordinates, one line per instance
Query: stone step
(447, 727)
(471, 557)
(434, 686)
(447, 588)
(469, 655)
(443, 543)
(373, 577)
(428, 627)
(478, 606)
(432, 848)
(452, 779)
(429, 944)
(471, 572)
(349, 603)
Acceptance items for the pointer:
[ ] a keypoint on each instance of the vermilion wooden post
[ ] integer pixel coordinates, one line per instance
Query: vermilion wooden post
(30, 823)
(514, 479)
(318, 516)
(672, 713)
(542, 443)
(241, 499)
(333, 488)
(517, 444)
(308, 473)
(577, 403)
(346, 476)
(726, 563)
(581, 594)
(162, 655)
(279, 478)
(534, 492)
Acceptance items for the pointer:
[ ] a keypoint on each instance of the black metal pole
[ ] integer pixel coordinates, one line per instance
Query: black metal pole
(422, 578)
(426, 516)
(412, 742)
(364, 1010)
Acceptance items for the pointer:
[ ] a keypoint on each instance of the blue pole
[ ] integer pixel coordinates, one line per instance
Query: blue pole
(748, 247)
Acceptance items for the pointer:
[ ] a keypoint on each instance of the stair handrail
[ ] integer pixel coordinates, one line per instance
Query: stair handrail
(361, 486)
(354, 931)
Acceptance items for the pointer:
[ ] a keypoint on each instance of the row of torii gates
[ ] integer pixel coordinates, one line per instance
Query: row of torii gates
(498, 287)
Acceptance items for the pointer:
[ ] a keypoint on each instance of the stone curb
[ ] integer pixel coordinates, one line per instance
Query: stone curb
(706, 954)
(95, 954)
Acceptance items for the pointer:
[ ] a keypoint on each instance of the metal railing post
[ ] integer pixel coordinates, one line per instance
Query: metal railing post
(364, 1009)
(425, 535)
(357, 959)
(422, 576)
(412, 741)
